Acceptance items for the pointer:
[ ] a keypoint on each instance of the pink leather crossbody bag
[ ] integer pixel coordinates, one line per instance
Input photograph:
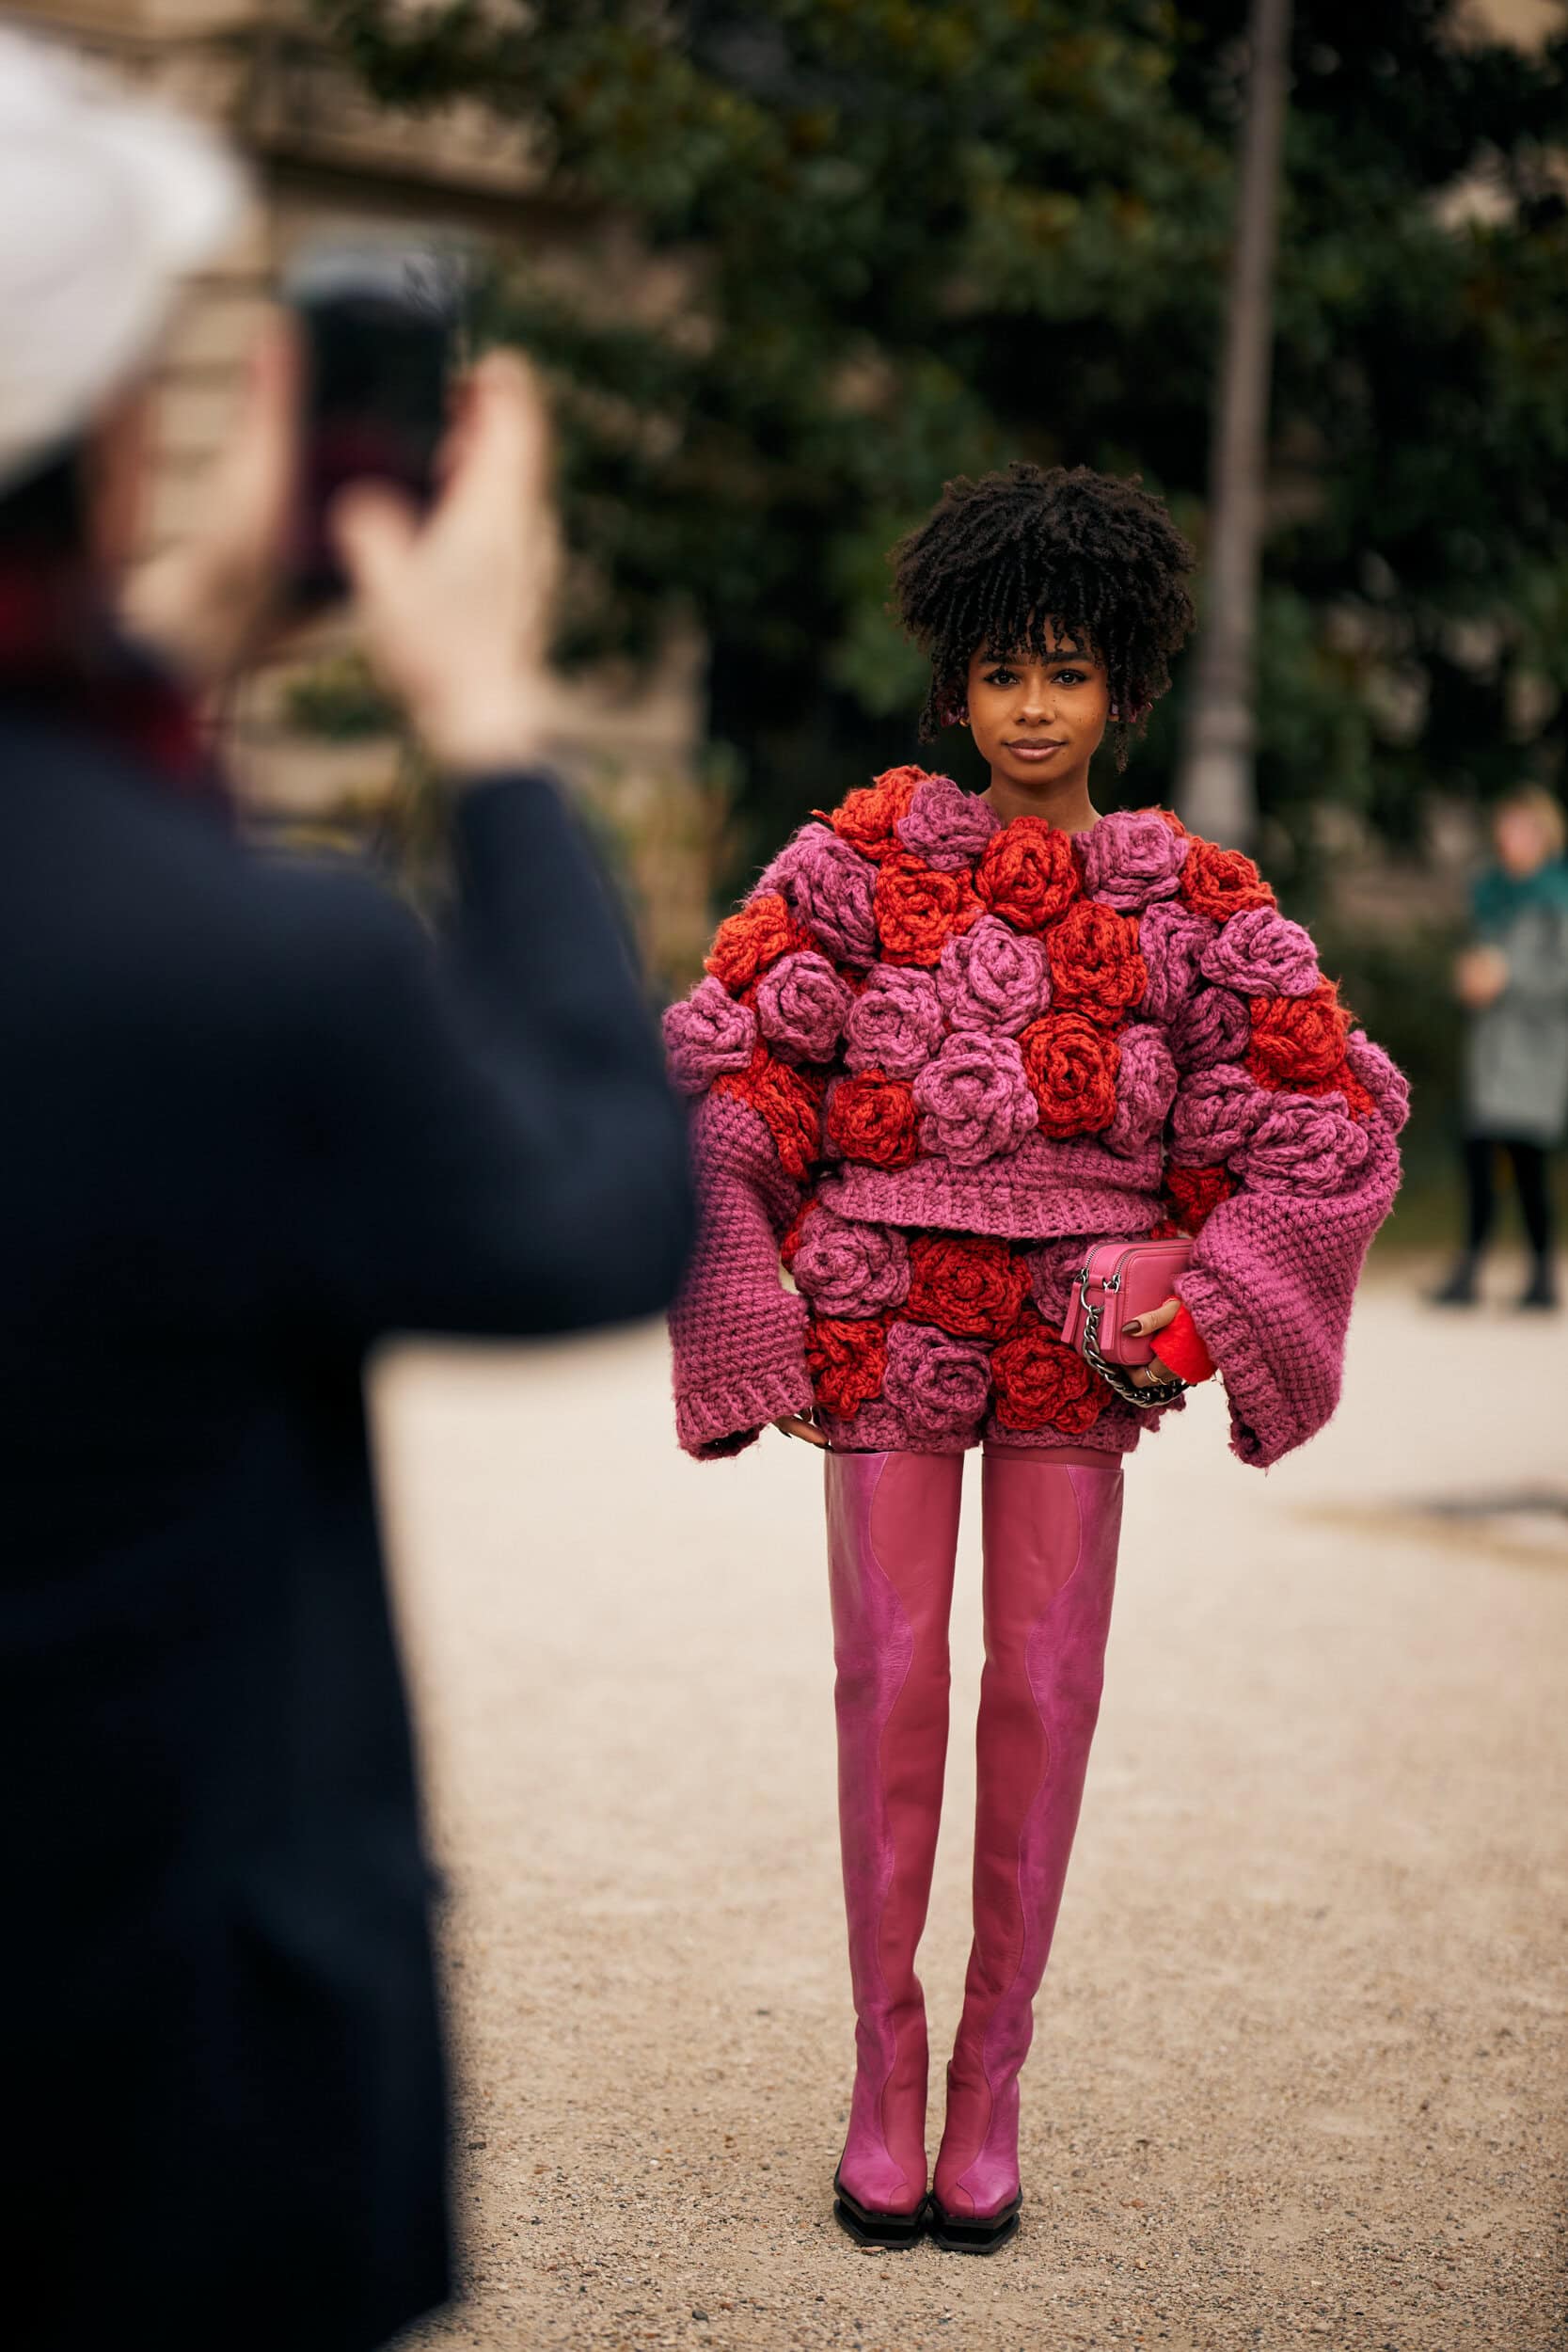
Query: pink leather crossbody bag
(1119, 1281)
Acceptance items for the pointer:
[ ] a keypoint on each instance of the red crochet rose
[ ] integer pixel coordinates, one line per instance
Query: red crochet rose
(1096, 966)
(1071, 1065)
(919, 909)
(1043, 1384)
(1340, 1080)
(748, 942)
(871, 1117)
(1168, 817)
(971, 1287)
(867, 817)
(1027, 873)
(1194, 1193)
(790, 1101)
(1297, 1039)
(848, 1363)
(1222, 883)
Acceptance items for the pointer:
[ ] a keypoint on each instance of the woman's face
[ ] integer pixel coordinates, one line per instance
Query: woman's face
(1039, 721)
(1522, 846)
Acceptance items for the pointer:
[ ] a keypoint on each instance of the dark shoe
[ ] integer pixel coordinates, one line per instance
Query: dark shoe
(869, 2228)
(1542, 1292)
(1460, 1288)
(960, 2236)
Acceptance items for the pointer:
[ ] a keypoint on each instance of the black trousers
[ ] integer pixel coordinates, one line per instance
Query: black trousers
(1529, 1162)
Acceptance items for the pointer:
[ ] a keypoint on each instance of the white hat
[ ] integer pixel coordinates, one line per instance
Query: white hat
(105, 201)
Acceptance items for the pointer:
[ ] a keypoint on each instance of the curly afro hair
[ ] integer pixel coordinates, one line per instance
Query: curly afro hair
(998, 562)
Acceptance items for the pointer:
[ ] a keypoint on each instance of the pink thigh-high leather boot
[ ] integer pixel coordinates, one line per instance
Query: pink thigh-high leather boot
(1050, 1519)
(893, 1528)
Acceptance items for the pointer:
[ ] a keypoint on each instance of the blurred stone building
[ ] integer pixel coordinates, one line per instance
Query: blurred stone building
(304, 741)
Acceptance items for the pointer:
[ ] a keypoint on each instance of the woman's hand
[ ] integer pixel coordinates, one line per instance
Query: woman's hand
(454, 606)
(1479, 977)
(1154, 1373)
(795, 1425)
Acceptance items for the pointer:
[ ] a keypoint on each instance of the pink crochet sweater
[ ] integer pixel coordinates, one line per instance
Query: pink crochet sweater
(921, 1023)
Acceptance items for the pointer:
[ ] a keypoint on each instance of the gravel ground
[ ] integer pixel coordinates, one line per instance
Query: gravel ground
(1299, 2070)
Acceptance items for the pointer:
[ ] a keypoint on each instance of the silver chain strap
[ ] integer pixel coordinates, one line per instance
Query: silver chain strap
(1114, 1376)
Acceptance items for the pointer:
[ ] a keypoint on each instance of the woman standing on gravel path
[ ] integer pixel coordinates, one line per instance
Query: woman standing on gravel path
(946, 1044)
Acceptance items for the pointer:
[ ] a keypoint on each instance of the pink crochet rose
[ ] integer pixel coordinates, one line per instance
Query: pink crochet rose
(1133, 858)
(707, 1034)
(976, 1099)
(993, 977)
(1384, 1080)
(895, 1024)
(847, 1270)
(939, 1385)
(1262, 953)
(1145, 1087)
(1212, 1026)
(1213, 1115)
(1171, 938)
(1054, 1269)
(1303, 1143)
(946, 825)
(828, 886)
(801, 1006)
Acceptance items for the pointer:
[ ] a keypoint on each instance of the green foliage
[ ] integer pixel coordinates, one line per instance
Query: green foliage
(914, 237)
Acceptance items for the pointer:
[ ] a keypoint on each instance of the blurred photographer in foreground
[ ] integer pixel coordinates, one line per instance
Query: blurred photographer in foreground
(254, 1121)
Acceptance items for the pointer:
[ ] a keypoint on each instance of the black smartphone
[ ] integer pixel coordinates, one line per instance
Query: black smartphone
(380, 330)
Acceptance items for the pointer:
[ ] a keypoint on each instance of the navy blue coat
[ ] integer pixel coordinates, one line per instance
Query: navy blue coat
(251, 1120)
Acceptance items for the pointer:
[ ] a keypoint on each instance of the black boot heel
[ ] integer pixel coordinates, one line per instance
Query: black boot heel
(869, 2228)
(957, 2236)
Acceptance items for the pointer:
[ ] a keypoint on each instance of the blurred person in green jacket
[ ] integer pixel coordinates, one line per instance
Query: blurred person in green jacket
(1512, 982)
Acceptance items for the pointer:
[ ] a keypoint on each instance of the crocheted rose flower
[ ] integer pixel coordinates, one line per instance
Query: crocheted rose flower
(993, 977)
(975, 1099)
(802, 1005)
(1196, 1193)
(1212, 1026)
(866, 819)
(895, 1024)
(1054, 1271)
(1222, 883)
(848, 1363)
(1383, 1079)
(1132, 858)
(1071, 1066)
(871, 1117)
(829, 885)
(1213, 1115)
(946, 825)
(1171, 938)
(707, 1034)
(748, 942)
(972, 1287)
(1146, 1088)
(919, 910)
(939, 1383)
(1303, 1145)
(848, 1269)
(789, 1101)
(1027, 873)
(1260, 953)
(1096, 966)
(1043, 1384)
(1296, 1040)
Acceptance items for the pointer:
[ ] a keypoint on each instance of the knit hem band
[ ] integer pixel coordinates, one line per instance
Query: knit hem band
(728, 1415)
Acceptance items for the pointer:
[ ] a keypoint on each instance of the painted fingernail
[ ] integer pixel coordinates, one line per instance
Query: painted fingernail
(1134, 1328)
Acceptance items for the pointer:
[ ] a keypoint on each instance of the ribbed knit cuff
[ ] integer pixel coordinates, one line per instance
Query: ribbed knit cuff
(727, 1416)
(1262, 1424)
(1181, 1346)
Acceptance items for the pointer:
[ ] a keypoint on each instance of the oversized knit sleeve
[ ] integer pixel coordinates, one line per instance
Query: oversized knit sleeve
(750, 1047)
(1281, 1159)
(738, 1334)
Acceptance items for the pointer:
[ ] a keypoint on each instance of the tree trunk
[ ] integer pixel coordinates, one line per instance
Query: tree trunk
(1216, 790)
